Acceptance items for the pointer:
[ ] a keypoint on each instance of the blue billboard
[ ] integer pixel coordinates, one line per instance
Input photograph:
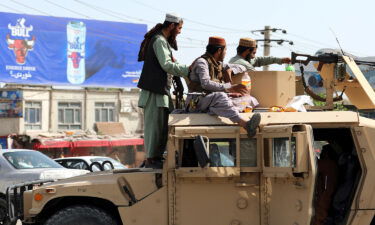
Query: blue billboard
(44, 50)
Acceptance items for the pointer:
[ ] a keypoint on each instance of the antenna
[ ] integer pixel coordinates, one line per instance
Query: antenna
(337, 40)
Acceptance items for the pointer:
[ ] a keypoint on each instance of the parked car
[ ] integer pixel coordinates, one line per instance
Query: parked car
(91, 163)
(21, 165)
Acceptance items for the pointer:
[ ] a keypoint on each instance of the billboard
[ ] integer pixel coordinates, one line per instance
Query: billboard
(44, 50)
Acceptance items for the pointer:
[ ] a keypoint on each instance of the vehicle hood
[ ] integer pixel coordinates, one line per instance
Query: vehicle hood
(26, 175)
(109, 185)
(57, 174)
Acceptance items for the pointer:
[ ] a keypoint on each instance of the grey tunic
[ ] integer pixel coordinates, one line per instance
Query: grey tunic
(217, 102)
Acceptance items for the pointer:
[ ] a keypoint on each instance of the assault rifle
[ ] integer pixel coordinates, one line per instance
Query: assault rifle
(178, 92)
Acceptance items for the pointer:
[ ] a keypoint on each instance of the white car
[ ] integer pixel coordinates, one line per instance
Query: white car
(91, 163)
(22, 165)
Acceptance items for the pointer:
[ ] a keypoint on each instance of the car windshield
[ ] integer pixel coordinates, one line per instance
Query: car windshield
(30, 160)
(115, 163)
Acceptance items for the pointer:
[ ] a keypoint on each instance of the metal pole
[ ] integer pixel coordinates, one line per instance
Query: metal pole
(267, 44)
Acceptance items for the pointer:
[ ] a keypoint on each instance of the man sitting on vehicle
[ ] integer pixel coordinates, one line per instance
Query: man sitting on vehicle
(207, 77)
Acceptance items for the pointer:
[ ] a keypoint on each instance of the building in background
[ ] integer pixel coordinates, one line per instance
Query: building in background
(64, 122)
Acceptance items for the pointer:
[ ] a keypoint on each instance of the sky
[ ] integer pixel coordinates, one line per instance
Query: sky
(311, 25)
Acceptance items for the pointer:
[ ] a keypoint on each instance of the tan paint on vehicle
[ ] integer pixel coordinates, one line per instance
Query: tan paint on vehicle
(255, 189)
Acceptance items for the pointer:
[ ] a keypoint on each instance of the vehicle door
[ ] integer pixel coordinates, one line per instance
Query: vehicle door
(288, 174)
(362, 209)
(6, 174)
(216, 193)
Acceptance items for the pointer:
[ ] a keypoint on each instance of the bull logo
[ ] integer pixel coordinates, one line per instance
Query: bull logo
(20, 48)
(76, 58)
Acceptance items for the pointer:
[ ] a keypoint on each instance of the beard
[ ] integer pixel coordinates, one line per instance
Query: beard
(221, 57)
(172, 39)
(248, 57)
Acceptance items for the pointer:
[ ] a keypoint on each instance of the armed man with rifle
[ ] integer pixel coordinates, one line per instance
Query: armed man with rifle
(155, 83)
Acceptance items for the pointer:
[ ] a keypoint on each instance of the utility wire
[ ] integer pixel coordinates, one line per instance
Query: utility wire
(308, 45)
(12, 9)
(95, 32)
(192, 21)
(121, 15)
(307, 39)
(67, 9)
(88, 17)
(29, 7)
(114, 14)
(316, 43)
(101, 33)
(111, 13)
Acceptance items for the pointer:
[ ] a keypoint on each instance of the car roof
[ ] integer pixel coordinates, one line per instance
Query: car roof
(16, 150)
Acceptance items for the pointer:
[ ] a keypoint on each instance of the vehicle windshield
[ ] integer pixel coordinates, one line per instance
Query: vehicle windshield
(116, 164)
(30, 160)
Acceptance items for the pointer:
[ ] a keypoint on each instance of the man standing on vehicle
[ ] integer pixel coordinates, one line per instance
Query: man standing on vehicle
(246, 52)
(155, 83)
(209, 77)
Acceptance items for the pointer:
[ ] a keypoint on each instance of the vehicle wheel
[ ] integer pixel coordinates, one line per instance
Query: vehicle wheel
(78, 215)
(4, 220)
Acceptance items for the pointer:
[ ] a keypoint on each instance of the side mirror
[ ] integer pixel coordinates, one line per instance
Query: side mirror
(201, 151)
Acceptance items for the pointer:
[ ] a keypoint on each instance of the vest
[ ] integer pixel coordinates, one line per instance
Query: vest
(153, 77)
(215, 70)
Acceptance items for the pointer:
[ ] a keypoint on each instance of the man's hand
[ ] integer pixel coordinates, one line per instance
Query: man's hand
(227, 75)
(234, 95)
(286, 60)
(238, 88)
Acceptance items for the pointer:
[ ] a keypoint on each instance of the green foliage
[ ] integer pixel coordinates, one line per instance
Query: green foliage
(337, 106)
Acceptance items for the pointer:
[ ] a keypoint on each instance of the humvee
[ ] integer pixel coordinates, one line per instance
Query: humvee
(214, 174)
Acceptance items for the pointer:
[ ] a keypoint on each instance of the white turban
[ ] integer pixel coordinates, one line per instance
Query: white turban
(173, 18)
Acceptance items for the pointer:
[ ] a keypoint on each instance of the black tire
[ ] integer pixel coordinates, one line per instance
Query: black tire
(81, 214)
(91, 167)
(107, 162)
(4, 219)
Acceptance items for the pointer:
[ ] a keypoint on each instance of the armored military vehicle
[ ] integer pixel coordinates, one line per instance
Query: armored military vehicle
(214, 174)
